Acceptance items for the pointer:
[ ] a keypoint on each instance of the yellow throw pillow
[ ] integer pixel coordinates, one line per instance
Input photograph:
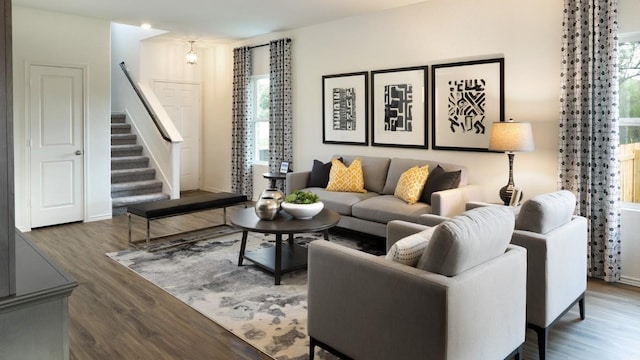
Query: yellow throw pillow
(411, 183)
(346, 179)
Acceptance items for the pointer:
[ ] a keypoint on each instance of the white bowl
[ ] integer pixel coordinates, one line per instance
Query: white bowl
(303, 211)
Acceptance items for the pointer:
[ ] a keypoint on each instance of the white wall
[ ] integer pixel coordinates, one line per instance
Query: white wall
(164, 59)
(58, 39)
(527, 34)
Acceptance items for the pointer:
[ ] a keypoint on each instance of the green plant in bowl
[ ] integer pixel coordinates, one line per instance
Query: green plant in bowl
(302, 197)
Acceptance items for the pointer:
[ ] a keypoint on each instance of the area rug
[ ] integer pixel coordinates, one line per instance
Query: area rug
(205, 275)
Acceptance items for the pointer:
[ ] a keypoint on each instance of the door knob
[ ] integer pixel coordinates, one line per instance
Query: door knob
(78, 152)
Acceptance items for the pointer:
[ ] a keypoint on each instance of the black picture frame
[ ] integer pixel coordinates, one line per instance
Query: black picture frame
(467, 97)
(345, 108)
(399, 107)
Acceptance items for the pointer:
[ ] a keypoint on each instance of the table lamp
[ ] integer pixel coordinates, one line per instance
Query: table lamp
(510, 137)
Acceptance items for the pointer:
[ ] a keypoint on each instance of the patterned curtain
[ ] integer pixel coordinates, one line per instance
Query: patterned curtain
(588, 158)
(280, 111)
(242, 129)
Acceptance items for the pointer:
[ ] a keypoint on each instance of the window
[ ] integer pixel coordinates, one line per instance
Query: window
(629, 125)
(260, 85)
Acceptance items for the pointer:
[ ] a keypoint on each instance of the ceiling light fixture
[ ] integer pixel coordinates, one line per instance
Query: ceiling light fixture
(192, 57)
(146, 26)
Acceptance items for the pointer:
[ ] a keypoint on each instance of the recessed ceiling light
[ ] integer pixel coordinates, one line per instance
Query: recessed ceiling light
(146, 26)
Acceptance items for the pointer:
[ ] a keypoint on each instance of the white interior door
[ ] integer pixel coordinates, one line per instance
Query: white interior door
(56, 111)
(182, 103)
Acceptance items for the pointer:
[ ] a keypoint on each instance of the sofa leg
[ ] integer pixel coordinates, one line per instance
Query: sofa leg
(312, 348)
(581, 305)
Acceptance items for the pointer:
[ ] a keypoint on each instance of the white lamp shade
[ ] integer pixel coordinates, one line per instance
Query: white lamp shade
(511, 136)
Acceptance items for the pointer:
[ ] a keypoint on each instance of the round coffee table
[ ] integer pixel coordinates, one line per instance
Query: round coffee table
(278, 259)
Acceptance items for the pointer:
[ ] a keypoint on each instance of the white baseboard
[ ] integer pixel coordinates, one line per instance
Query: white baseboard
(99, 218)
(629, 281)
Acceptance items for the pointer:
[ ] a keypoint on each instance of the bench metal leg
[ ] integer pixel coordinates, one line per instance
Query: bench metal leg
(129, 216)
(148, 238)
(224, 210)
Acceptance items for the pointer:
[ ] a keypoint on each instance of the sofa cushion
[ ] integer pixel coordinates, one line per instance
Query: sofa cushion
(340, 201)
(543, 213)
(319, 176)
(440, 180)
(397, 167)
(374, 170)
(385, 208)
(346, 179)
(408, 250)
(467, 240)
(411, 183)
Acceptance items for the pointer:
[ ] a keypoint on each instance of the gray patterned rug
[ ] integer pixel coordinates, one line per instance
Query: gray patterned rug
(244, 300)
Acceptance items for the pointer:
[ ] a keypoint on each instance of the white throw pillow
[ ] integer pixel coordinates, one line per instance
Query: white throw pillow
(408, 250)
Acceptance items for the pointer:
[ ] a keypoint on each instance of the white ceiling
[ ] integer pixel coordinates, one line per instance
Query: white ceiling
(220, 20)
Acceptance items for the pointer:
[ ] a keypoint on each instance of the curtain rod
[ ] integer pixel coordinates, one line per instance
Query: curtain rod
(266, 44)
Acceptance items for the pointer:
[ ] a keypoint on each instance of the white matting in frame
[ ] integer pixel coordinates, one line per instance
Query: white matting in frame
(399, 113)
(345, 103)
(467, 97)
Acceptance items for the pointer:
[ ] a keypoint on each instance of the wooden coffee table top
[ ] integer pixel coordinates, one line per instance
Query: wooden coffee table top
(284, 223)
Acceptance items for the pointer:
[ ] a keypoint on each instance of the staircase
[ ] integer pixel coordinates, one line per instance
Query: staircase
(132, 180)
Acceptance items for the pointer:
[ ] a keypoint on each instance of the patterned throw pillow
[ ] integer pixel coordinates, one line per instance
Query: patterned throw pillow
(411, 183)
(346, 179)
(408, 250)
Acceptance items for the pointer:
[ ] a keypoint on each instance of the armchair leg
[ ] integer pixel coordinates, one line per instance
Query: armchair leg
(312, 348)
(516, 354)
(581, 305)
(543, 336)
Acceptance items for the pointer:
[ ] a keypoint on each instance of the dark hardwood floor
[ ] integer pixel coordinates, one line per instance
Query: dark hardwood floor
(115, 314)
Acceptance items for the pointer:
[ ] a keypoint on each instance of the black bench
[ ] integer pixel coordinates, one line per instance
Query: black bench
(185, 205)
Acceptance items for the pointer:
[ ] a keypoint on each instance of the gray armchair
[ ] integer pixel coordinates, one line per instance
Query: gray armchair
(556, 243)
(468, 304)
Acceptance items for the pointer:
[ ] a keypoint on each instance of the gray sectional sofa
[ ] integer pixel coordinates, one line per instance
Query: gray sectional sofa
(371, 211)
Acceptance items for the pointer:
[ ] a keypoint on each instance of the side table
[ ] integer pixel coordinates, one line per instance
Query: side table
(273, 177)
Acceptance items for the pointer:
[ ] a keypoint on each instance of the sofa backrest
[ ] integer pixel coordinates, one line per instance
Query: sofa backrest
(399, 165)
(468, 240)
(374, 170)
(546, 212)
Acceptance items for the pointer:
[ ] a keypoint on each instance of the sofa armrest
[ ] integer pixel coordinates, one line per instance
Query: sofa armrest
(297, 180)
(399, 229)
(370, 308)
(431, 219)
(452, 202)
(557, 269)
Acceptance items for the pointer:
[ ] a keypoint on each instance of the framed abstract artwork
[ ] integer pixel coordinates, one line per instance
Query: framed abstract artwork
(345, 108)
(399, 112)
(467, 97)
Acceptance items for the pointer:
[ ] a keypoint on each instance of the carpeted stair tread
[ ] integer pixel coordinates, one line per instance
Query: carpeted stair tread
(137, 199)
(126, 150)
(118, 118)
(135, 174)
(135, 185)
(129, 162)
(123, 139)
(120, 128)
